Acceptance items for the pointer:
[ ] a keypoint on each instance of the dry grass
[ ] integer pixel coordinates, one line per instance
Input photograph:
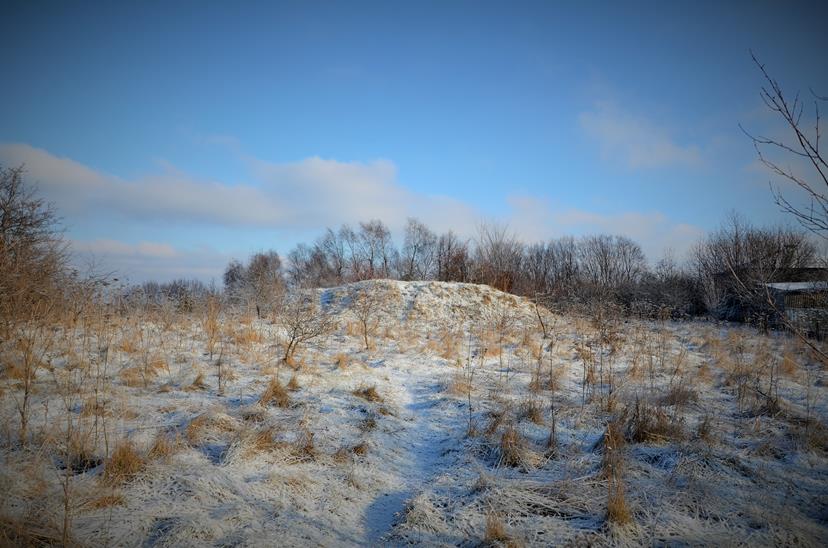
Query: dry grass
(105, 501)
(341, 360)
(496, 418)
(513, 448)
(164, 446)
(133, 377)
(458, 385)
(124, 464)
(531, 410)
(680, 395)
(367, 424)
(275, 393)
(304, 448)
(496, 530)
(246, 336)
(198, 383)
(293, 384)
(368, 393)
(612, 468)
(789, 366)
(653, 424)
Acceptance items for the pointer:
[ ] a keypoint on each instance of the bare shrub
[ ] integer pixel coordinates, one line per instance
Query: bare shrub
(365, 304)
(302, 321)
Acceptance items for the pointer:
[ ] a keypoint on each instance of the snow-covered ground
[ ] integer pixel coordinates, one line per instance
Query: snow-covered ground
(721, 450)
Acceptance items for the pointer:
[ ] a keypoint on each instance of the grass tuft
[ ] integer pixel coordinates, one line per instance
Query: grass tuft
(275, 393)
(124, 464)
(368, 393)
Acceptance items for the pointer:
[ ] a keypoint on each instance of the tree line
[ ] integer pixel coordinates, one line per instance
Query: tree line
(559, 272)
(723, 275)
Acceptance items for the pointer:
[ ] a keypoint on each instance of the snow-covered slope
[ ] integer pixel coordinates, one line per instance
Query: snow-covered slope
(441, 302)
(437, 435)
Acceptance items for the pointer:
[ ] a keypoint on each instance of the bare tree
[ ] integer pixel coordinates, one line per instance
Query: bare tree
(499, 256)
(303, 321)
(802, 146)
(33, 259)
(376, 249)
(452, 258)
(417, 252)
(264, 274)
(365, 305)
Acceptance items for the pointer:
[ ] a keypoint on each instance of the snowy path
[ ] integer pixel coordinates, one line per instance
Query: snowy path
(420, 451)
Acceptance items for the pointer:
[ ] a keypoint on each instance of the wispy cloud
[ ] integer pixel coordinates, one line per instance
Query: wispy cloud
(307, 194)
(148, 260)
(635, 141)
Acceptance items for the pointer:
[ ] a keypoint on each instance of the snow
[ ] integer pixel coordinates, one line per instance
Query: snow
(421, 478)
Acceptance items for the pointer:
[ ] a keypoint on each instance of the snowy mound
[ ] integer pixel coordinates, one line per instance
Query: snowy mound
(438, 302)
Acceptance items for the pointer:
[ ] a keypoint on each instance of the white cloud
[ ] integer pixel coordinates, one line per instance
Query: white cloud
(635, 141)
(148, 260)
(311, 193)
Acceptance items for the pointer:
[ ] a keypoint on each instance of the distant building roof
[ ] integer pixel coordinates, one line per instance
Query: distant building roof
(798, 286)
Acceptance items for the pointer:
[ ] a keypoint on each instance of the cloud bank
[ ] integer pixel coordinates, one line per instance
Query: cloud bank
(306, 195)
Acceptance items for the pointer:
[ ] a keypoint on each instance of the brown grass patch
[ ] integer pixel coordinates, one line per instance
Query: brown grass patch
(789, 365)
(164, 446)
(612, 467)
(197, 384)
(680, 395)
(495, 530)
(368, 393)
(293, 384)
(275, 393)
(531, 410)
(246, 336)
(341, 360)
(652, 424)
(124, 464)
(513, 449)
(132, 377)
(105, 501)
(458, 385)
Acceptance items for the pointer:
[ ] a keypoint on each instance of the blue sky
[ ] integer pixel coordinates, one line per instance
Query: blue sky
(174, 135)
